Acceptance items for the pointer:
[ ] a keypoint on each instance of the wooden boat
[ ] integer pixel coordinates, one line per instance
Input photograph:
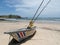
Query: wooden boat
(23, 33)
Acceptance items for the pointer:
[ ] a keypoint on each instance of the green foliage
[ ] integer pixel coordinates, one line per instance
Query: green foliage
(10, 16)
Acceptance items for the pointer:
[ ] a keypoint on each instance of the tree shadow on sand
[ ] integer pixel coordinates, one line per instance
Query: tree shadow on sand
(14, 42)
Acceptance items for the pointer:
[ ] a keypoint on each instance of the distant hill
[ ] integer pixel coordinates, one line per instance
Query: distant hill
(10, 16)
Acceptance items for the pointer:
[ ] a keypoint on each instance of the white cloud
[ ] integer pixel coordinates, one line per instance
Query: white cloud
(23, 4)
(18, 4)
(30, 6)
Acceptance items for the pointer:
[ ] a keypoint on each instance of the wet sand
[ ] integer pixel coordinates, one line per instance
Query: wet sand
(46, 33)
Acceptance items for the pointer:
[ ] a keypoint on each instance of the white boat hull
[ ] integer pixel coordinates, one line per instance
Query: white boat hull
(20, 35)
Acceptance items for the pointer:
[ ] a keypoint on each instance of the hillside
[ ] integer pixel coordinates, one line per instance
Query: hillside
(10, 16)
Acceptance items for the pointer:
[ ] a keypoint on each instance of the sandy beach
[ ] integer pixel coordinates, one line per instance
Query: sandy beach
(46, 33)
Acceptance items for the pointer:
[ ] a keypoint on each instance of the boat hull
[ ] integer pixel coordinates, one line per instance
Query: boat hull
(20, 35)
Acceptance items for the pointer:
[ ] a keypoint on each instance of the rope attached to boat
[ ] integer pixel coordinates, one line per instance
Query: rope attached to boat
(38, 9)
(34, 19)
(42, 10)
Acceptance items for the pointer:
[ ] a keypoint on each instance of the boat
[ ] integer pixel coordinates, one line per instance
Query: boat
(24, 33)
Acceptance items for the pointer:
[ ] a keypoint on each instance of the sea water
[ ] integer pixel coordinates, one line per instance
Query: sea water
(40, 20)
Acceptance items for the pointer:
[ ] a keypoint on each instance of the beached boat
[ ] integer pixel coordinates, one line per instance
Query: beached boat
(23, 33)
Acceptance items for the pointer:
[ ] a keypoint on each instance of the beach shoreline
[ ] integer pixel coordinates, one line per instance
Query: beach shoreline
(46, 33)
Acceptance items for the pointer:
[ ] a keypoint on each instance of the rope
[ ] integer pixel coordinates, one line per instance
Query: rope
(42, 10)
(36, 12)
(34, 19)
(38, 9)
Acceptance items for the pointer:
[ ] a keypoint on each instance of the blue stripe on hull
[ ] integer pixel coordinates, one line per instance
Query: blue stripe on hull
(18, 35)
(19, 38)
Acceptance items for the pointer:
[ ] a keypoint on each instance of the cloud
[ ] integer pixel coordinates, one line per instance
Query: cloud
(30, 6)
(14, 1)
(24, 4)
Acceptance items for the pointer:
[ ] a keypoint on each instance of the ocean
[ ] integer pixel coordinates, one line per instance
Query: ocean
(41, 20)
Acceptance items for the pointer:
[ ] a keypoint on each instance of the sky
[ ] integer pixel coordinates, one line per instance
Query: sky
(27, 8)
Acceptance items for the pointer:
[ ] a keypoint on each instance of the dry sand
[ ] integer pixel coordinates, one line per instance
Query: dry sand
(47, 33)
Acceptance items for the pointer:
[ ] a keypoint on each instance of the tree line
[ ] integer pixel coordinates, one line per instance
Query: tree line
(10, 16)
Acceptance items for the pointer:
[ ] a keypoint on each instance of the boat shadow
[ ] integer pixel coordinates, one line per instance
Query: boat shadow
(14, 42)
